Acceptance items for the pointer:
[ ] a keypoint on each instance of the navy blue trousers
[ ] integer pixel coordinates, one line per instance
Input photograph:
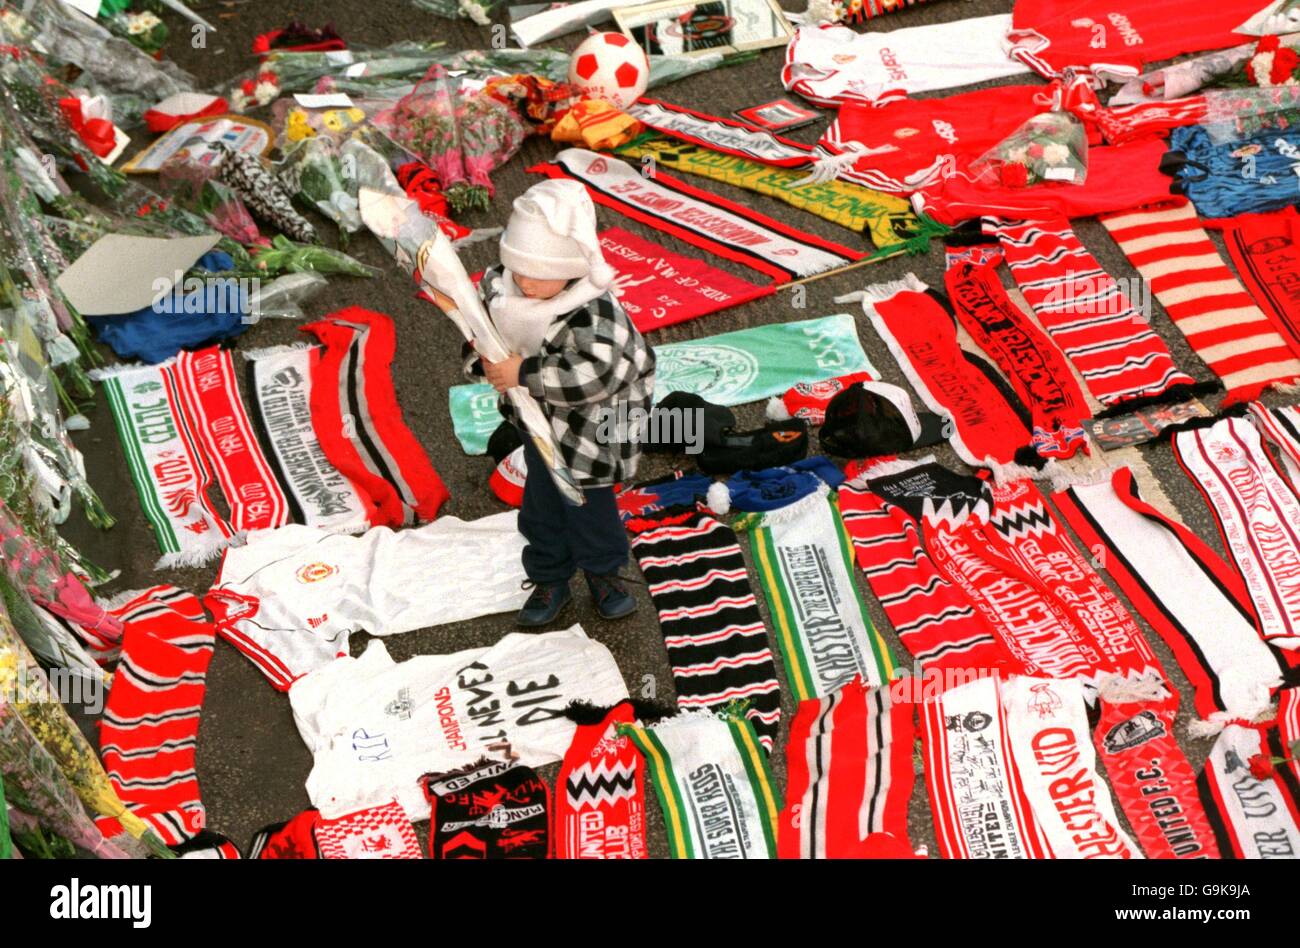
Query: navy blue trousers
(562, 538)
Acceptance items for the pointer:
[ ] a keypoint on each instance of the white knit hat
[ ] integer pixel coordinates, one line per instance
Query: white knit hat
(551, 235)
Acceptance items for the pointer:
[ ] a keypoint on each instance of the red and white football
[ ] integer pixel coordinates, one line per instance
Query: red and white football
(610, 66)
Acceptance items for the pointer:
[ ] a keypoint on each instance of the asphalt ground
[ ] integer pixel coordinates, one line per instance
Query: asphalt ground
(251, 762)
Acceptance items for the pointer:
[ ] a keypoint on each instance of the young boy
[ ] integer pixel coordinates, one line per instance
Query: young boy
(576, 352)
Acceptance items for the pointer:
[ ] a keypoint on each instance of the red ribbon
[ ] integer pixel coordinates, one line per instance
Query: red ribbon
(97, 133)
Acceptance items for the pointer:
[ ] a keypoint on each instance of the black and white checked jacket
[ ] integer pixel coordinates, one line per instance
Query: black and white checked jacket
(594, 377)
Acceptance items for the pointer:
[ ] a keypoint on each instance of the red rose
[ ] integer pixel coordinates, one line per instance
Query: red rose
(1014, 174)
(1035, 150)
(1284, 62)
(1261, 767)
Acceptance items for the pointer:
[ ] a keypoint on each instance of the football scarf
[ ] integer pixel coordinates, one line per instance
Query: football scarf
(660, 288)
(976, 796)
(1017, 567)
(1168, 246)
(934, 621)
(724, 135)
(921, 333)
(886, 220)
(849, 776)
(600, 793)
(318, 494)
(710, 775)
(1184, 591)
(700, 218)
(1258, 516)
(805, 566)
(1048, 736)
(1086, 313)
(292, 839)
(1036, 367)
(226, 436)
(167, 465)
(359, 424)
(1281, 428)
(1253, 806)
(728, 369)
(379, 832)
(289, 598)
(489, 810)
(714, 633)
(149, 730)
(1112, 42)
(1288, 724)
(830, 65)
(1265, 249)
(1152, 779)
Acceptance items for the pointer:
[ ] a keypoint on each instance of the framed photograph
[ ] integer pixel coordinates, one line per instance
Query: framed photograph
(686, 28)
(779, 115)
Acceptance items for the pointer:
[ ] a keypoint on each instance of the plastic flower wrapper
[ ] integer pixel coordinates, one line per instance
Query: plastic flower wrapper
(1235, 114)
(283, 297)
(262, 88)
(49, 769)
(110, 65)
(143, 30)
(220, 206)
(491, 134)
(426, 123)
(295, 123)
(1049, 147)
(404, 61)
(315, 171)
(480, 11)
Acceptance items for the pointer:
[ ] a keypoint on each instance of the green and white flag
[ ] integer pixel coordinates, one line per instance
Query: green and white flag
(711, 777)
(730, 369)
(805, 565)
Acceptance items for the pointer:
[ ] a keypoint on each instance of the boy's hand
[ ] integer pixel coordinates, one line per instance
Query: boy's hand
(503, 374)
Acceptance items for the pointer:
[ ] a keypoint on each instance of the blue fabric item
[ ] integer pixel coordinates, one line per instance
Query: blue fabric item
(1248, 176)
(562, 537)
(683, 490)
(773, 487)
(179, 320)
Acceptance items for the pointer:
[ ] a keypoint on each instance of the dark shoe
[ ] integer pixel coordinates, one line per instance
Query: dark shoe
(612, 599)
(544, 605)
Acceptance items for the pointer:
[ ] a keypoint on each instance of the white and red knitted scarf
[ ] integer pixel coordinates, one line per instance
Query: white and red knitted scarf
(1017, 566)
(804, 563)
(1281, 428)
(1258, 515)
(932, 617)
(600, 793)
(378, 832)
(149, 731)
(169, 467)
(849, 776)
(977, 796)
(989, 423)
(359, 423)
(1253, 805)
(1206, 301)
(1049, 739)
(279, 389)
(1184, 591)
(1152, 779)
(1084, 310)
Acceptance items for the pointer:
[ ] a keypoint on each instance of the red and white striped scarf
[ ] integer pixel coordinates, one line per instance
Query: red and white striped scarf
(1265, 249)
(933, 619)
(149, 731)
(1206, 301)
(1253, 805)
(1183, 589)
(849, 776)
(359, 422)
(1258, 515)
(1118, 354)
(976, 793)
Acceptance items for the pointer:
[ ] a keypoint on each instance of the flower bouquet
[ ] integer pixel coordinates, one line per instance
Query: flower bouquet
(480, 11)
(143, 30)
(1050, 147)
(284, 256)
(218, 204)
(316, 172)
